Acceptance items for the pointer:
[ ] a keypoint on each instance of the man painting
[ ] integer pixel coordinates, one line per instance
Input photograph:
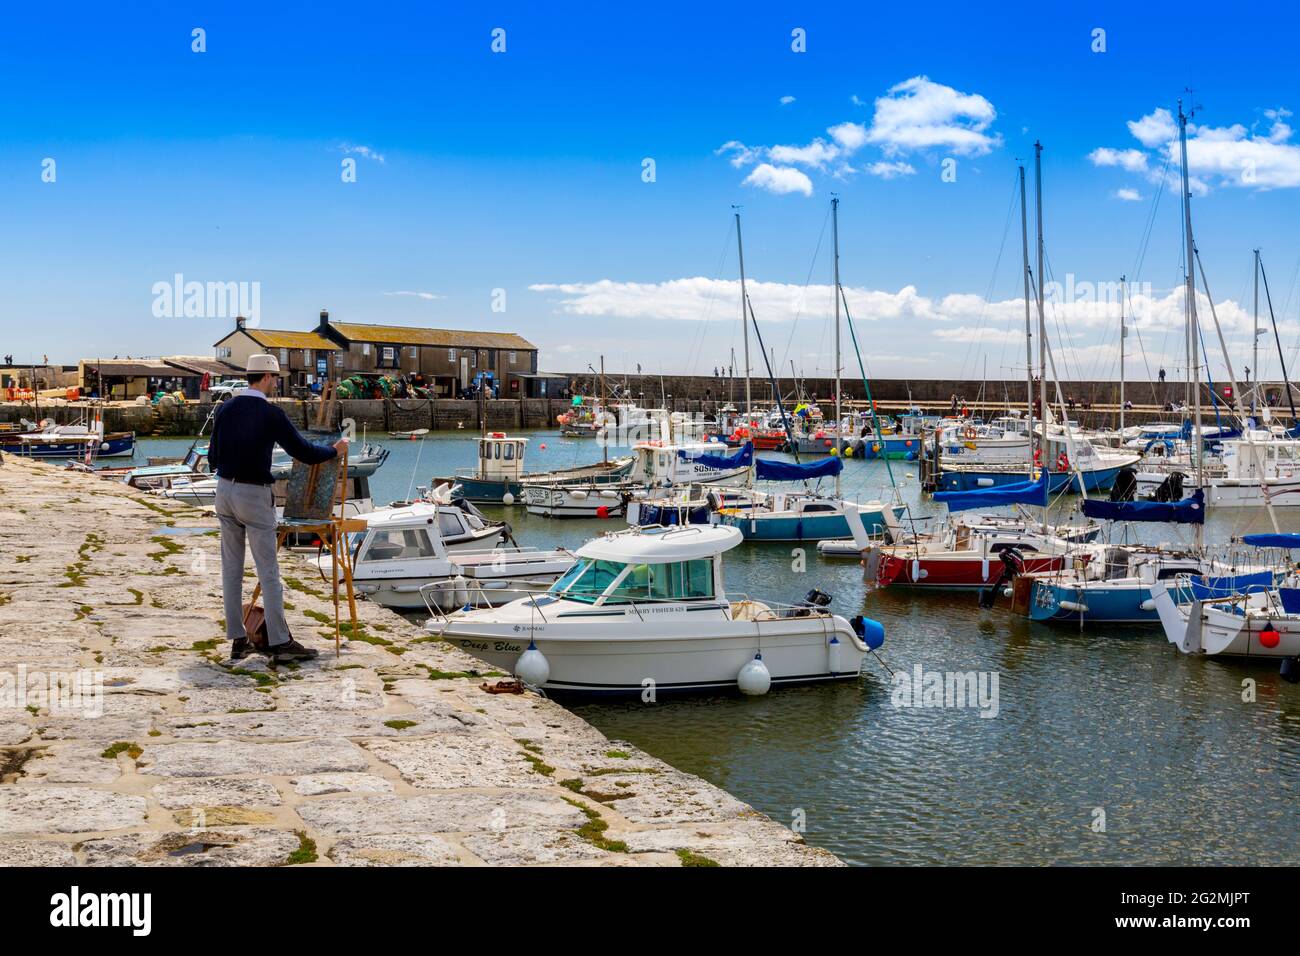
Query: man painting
(245, 431)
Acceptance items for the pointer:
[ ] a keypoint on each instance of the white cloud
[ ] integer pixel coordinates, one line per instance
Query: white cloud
(850, 136)
(890, 170)
(1128, 195)
(1233, 155)
(816, 154)
(365, 151)
(917, 114)
(921, 114)
(779, 179)
(1155, 129)
(427, 296)
(787, 100)
(857, 100)
(1134, 160)
(741, 155)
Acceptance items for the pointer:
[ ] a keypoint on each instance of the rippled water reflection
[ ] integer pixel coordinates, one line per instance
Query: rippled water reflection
(1112, 719)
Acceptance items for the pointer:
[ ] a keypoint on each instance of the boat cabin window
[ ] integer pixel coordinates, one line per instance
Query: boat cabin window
(508, 452)
(817, 507)
(396, 545)
(679, 581)
(449, 524)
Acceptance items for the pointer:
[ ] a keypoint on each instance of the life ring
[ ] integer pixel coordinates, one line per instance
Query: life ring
(969, 433)
(1062, 462)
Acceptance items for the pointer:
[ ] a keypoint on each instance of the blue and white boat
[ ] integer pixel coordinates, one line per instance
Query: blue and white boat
(1096, 469)
(82, 442)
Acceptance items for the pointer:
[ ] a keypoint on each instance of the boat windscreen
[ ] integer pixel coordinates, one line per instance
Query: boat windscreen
(587, 581)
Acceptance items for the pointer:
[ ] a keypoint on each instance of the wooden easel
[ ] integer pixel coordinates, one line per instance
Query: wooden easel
(332, 528)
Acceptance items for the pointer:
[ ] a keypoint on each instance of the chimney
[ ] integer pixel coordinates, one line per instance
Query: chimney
(324, 317)
(239, 323)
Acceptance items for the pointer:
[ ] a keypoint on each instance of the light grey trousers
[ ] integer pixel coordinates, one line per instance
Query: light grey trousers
(247, 513)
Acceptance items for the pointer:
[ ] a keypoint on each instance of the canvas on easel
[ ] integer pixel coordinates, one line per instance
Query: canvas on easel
(312, 491)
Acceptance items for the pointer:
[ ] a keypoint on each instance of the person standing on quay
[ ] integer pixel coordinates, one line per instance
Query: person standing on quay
(245, 431)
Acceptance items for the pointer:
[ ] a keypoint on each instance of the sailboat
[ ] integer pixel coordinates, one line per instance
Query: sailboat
(805, 515)
(988, 554)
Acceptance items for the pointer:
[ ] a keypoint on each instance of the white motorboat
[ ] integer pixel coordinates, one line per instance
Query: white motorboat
(645, 611)
(426, 555)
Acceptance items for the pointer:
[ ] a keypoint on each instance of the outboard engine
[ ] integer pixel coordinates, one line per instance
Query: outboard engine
(1013, 563)
(814, 600)
(1125, 487)
(1171, 489)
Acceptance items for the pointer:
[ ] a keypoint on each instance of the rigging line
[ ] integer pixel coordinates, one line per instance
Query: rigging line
(866, 387)
(1146, 364)
(1286, 384)
(697, 349)
(803, 299)
(993, 278)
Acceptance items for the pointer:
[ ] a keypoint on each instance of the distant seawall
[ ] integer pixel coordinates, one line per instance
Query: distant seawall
(685, 393)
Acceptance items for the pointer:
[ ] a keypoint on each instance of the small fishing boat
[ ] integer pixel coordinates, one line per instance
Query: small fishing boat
(83, 442)
(500, 471)
(426, 552)
(646, 609)
(654, 465)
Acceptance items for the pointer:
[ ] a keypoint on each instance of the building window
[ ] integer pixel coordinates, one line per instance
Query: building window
(451, 355)
(387, 357)
(284, 357)
(473, 360)
(415, 352)
(223, 351)
(365, 348)
(306, 357)
(512, 358)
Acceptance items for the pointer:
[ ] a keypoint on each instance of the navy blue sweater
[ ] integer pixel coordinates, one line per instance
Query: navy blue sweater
(244, 433)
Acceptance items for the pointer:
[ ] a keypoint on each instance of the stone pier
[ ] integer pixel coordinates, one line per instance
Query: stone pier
(391, 754)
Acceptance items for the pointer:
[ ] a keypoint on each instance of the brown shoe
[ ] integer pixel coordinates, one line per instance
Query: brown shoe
(291, 650)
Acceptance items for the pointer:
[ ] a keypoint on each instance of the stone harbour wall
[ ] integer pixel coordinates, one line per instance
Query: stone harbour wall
(389, 754)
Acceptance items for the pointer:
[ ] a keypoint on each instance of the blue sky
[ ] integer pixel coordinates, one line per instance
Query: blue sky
(522, 171)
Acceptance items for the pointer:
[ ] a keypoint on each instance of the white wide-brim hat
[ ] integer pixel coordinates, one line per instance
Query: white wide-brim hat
(263, 363)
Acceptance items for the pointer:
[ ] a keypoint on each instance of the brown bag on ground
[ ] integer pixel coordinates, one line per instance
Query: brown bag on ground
(255, 625)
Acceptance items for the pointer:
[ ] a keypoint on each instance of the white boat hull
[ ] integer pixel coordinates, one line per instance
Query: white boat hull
(637, 657)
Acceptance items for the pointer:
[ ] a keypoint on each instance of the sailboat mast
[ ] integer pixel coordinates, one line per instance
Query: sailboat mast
(1042, 321)
(1194, 370)
(744, 317)
(839, 418)
(1254, 362)
(604, 411)
(1029, 329)
(1123, 334)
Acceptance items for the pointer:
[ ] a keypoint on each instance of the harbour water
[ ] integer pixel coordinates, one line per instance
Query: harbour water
(1105, 745)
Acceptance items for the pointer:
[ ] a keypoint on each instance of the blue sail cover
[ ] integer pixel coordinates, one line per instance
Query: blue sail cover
(1272, 540)
(1188, 511)
(1018, 493)
(1217, 588)
(767, 470)
(743, 458)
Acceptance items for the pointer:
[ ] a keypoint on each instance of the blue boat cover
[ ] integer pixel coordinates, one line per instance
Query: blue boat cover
(1217, 588)
(1188, 511)
(1290, 599)
(768, 470)
(1272, 540)
(1018, 493)
(741, 459)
